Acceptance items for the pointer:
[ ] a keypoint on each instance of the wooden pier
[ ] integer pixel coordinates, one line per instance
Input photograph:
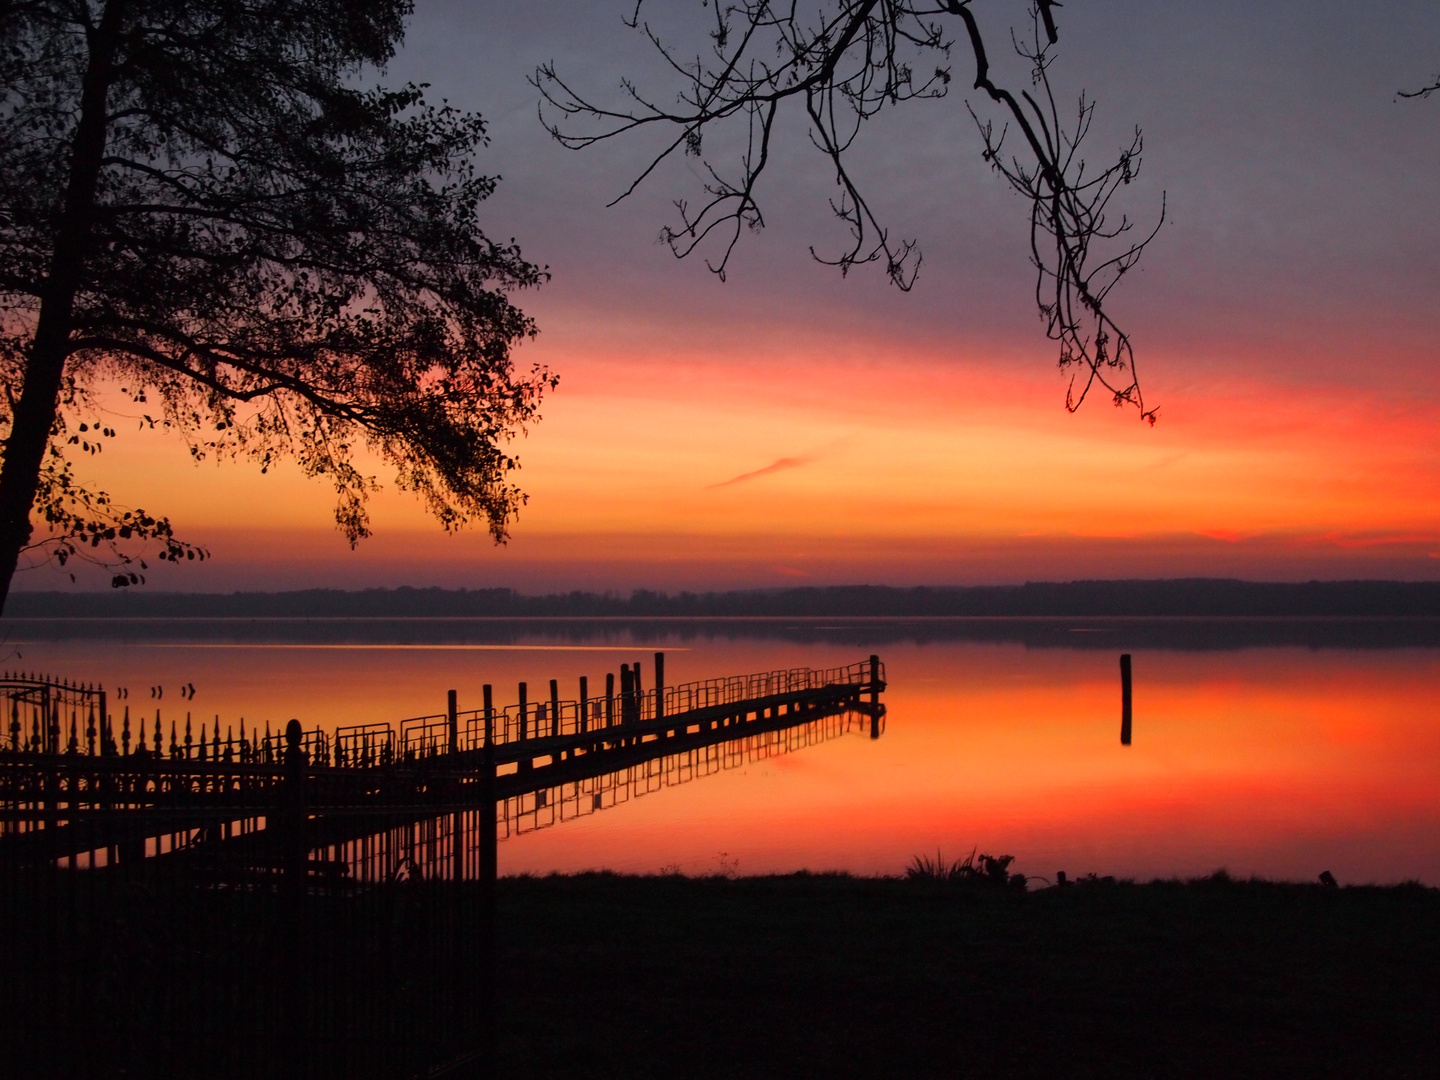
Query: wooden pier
(77, 793)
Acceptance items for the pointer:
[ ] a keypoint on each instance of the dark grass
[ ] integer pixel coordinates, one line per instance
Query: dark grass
(944, 974)
(806, 975)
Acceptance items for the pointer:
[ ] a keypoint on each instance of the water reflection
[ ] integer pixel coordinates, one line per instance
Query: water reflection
(568, 802)
(1268, 747)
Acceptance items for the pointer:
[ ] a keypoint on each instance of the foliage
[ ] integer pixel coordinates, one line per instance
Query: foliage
(203, 208)
(843, 62)
(985, 870)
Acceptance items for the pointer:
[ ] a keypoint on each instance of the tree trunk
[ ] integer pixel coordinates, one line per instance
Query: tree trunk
(39, 403)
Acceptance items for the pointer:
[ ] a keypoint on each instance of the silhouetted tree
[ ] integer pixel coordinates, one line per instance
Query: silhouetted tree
(843, 62)
(203, 209)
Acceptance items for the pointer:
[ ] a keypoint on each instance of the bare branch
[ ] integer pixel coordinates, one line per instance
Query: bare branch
(846, 64)
(1424, 91)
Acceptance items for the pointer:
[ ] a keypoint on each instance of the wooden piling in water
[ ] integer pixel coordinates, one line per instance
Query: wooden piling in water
(1125, 699)
(874, 696)
(659, 686)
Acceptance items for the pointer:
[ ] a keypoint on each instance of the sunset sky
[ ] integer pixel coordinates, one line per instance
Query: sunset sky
(788, 426)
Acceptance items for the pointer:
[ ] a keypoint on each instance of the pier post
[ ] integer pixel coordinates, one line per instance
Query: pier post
(637, 694)
(524, 763)
(1124, 699)
(610, 699)
(555, 708)
(457, 818)
(659, 686)
(489, 700)
(584, 704)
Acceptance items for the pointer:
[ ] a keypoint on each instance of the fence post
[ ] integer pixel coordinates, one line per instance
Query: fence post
(296, 976)
(487, 873)
(295, 851)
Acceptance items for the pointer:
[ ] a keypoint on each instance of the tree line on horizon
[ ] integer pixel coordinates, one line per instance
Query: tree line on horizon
(1203, 597)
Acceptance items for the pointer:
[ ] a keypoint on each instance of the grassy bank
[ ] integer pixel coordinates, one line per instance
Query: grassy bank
(836, 976)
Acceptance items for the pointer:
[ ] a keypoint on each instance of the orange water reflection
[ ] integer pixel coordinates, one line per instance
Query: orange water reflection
(1280, 761)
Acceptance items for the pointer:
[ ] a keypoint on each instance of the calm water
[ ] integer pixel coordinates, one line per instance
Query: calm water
(1280, 749)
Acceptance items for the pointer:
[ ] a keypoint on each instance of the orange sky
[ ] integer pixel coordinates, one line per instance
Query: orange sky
(845, 460)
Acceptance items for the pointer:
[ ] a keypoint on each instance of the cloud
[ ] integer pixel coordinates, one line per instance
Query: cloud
(781, 464)
(778, 465)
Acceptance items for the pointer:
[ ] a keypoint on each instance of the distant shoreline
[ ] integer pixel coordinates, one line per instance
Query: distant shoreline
(1193, 598)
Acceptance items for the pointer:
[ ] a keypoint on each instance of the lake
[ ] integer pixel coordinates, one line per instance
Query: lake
(1268, 747)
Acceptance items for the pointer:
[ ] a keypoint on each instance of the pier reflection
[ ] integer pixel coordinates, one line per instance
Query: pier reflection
(564, 802)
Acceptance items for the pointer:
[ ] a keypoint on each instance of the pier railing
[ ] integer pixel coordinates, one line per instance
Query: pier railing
(49, 717)
(553, 717)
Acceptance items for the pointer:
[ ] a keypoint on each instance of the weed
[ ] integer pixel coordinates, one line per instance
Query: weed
(987, 870)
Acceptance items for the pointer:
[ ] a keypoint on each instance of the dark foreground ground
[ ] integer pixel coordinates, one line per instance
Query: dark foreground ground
(834, 976)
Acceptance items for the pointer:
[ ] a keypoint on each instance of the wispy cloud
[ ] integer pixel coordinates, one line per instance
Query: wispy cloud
(778, 465)
(781, 464)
